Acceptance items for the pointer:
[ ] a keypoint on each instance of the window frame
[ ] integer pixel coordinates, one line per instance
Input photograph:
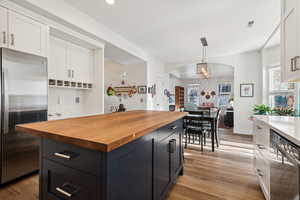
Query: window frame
(279, 92)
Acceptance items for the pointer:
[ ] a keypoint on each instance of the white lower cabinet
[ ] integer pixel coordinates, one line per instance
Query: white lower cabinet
(261, 164)
(262, 170)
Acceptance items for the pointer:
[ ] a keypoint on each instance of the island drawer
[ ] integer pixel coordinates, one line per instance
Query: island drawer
(85, 160)
(64, 183)
(170, 129)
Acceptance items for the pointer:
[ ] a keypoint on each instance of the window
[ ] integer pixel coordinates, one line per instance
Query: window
(280, 94)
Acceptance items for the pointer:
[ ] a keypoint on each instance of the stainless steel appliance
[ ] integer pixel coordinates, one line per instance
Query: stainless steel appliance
(284, 168)
(23, 100)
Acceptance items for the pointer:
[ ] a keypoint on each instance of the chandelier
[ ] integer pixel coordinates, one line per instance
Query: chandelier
(202, 68)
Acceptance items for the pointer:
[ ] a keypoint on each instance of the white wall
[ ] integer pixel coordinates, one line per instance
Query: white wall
(156, 75)
(136, 75)
(247, 69)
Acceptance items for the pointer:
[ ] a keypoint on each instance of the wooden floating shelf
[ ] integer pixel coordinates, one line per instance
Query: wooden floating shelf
(52, 83)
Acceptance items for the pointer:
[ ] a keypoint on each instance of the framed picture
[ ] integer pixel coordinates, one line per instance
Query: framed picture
(247, 90)
(142, 89)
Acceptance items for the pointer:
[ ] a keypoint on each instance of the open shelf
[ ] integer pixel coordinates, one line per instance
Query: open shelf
(52, 83)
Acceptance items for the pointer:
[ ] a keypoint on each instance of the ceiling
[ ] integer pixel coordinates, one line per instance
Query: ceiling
(215, 70)
(120, 56)
(171, 29)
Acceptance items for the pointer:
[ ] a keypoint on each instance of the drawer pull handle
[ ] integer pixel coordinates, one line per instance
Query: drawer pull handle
(12, 39)
(61, 155)
(259, 128)
(63, 192)
(172, 146)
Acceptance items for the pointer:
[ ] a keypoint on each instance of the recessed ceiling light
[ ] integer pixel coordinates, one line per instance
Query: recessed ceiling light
(110, 2)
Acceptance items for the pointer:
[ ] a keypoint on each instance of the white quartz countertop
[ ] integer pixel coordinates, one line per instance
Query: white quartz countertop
(288, 127)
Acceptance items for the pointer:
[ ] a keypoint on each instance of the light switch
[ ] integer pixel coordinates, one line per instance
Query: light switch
(77, 99)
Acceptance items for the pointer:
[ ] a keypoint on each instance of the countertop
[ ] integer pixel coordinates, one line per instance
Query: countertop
(102, 132)
(288, 127)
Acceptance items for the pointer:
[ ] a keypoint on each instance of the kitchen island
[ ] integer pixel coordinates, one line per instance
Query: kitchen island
(134, 155)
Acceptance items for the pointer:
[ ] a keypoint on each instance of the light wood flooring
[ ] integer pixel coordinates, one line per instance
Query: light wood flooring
(223, 175)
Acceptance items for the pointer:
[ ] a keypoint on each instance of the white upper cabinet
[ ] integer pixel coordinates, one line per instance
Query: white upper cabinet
(290, 40)
(3, 27)
(69, 62)
(57, 63)
(80, 63)
(26, 34)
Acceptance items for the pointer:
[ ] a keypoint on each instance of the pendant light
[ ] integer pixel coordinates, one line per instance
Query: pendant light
(202, 68)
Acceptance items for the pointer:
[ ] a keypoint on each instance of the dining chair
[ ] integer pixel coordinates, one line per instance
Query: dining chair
(193, 127)
(205, 110)
(207, 128)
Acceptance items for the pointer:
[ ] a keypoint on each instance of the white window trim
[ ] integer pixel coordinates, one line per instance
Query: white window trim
(279, 92)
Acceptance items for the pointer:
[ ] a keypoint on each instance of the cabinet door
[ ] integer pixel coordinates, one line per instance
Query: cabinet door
(57, 65)
(163, 171)
(289, 43)
(26, 34)
(80, 63)
(3, 27)
(130, 171)
(90, 72)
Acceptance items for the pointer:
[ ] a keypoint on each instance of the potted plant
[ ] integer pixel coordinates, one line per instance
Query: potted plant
(261, 109)
(284, 111)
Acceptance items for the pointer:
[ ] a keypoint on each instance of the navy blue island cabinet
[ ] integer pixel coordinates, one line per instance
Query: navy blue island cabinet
(144, 169)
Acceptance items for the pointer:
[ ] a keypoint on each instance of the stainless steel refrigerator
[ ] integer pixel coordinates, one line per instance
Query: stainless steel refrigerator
(23, 100)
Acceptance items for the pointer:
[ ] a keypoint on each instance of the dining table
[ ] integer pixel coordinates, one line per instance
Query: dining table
(210, 117)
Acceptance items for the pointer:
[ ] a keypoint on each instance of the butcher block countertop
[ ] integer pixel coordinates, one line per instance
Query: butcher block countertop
(102, 132)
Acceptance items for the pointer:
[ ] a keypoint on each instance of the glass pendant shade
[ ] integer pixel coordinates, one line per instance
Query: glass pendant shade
(202, 69)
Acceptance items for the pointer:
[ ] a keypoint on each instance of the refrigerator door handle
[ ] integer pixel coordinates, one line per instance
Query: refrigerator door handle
(5, 126)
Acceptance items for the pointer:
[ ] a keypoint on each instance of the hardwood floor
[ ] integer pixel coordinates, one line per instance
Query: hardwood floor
(223, 175)
(23, 189)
